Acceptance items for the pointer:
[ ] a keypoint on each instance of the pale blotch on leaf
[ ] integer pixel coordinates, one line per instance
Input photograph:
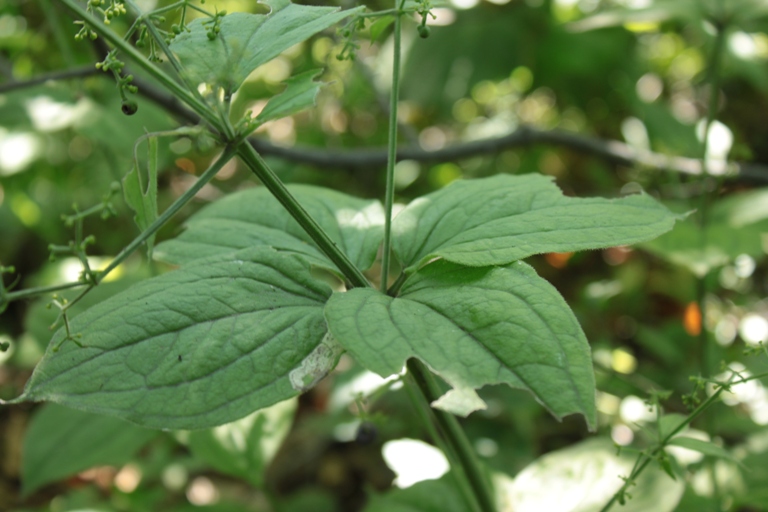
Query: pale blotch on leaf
(316, 365)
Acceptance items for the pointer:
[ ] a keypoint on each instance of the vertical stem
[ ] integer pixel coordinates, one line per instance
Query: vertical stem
(427, 414)
(126, 49)
(389, 195)
(706, 346)
(204, 178)
(713, 80)
(456, 439)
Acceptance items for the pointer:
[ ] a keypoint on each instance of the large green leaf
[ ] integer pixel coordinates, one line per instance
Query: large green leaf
(245, 447)
(198, 347)
(246, 41)
(497, 220)
(254, 217)
(473, 326)
(61, 442)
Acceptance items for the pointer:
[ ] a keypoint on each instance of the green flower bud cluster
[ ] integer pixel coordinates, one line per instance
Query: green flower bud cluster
(213, 25)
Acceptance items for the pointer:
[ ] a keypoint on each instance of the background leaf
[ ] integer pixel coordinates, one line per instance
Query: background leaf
(141, 193)
(299, 94)
(473, 326)
(439, 495)
(497, 220)
(254, 217)
(245, 447)
(735, 226)
(705, 447)
(246, 41)
(61, 442)
(198, 347)
(583, 477)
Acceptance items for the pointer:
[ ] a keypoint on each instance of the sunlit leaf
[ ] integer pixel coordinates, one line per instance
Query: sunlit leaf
(705, 447)
(583, 477)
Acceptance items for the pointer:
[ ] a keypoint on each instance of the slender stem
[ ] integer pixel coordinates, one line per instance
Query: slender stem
(204, 178)
(188, 194)
(704, 200)
(125, 48)
(259, 167)
(160, 41)
(40, 290)
(455, 437)
(664, 442)
(389, 195)
(427, 415)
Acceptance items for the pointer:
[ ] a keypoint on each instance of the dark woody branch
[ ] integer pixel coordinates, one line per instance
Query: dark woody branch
(525, 136)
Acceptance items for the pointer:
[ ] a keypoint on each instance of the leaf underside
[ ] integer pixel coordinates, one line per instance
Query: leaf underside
(504, 218)
(473, 327)
(197, 347)
(246, 41)
(243, 324)
(254, 217)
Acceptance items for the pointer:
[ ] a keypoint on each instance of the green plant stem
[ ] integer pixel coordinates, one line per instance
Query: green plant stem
(259, 167)
(126, 49)
(39, 290)
(389, 195)
(479, 495)
(183, 199)
(204, 178)
(414, 388)
(704, 200)
(640, 466)
(454, 435)
(160, 41)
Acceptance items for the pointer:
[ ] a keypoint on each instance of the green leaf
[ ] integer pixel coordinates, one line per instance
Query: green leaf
(439, 495)
(299, 94)
(497, 220)
(254, 217)
(705, 447)
(735, 226)
(473, 326)
(246, 41)
(583, 477)
(142, 197)
(244, 448)
(669, 423)
(197, 347)
(61, 442)
(378, 27)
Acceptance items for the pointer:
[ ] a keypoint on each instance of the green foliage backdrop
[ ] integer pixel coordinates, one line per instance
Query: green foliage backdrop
(227, 332)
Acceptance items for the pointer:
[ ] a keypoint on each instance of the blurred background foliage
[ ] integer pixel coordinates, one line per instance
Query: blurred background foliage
(687, 304)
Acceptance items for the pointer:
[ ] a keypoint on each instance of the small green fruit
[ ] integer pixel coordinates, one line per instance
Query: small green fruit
(424, 31)
(129, 107)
